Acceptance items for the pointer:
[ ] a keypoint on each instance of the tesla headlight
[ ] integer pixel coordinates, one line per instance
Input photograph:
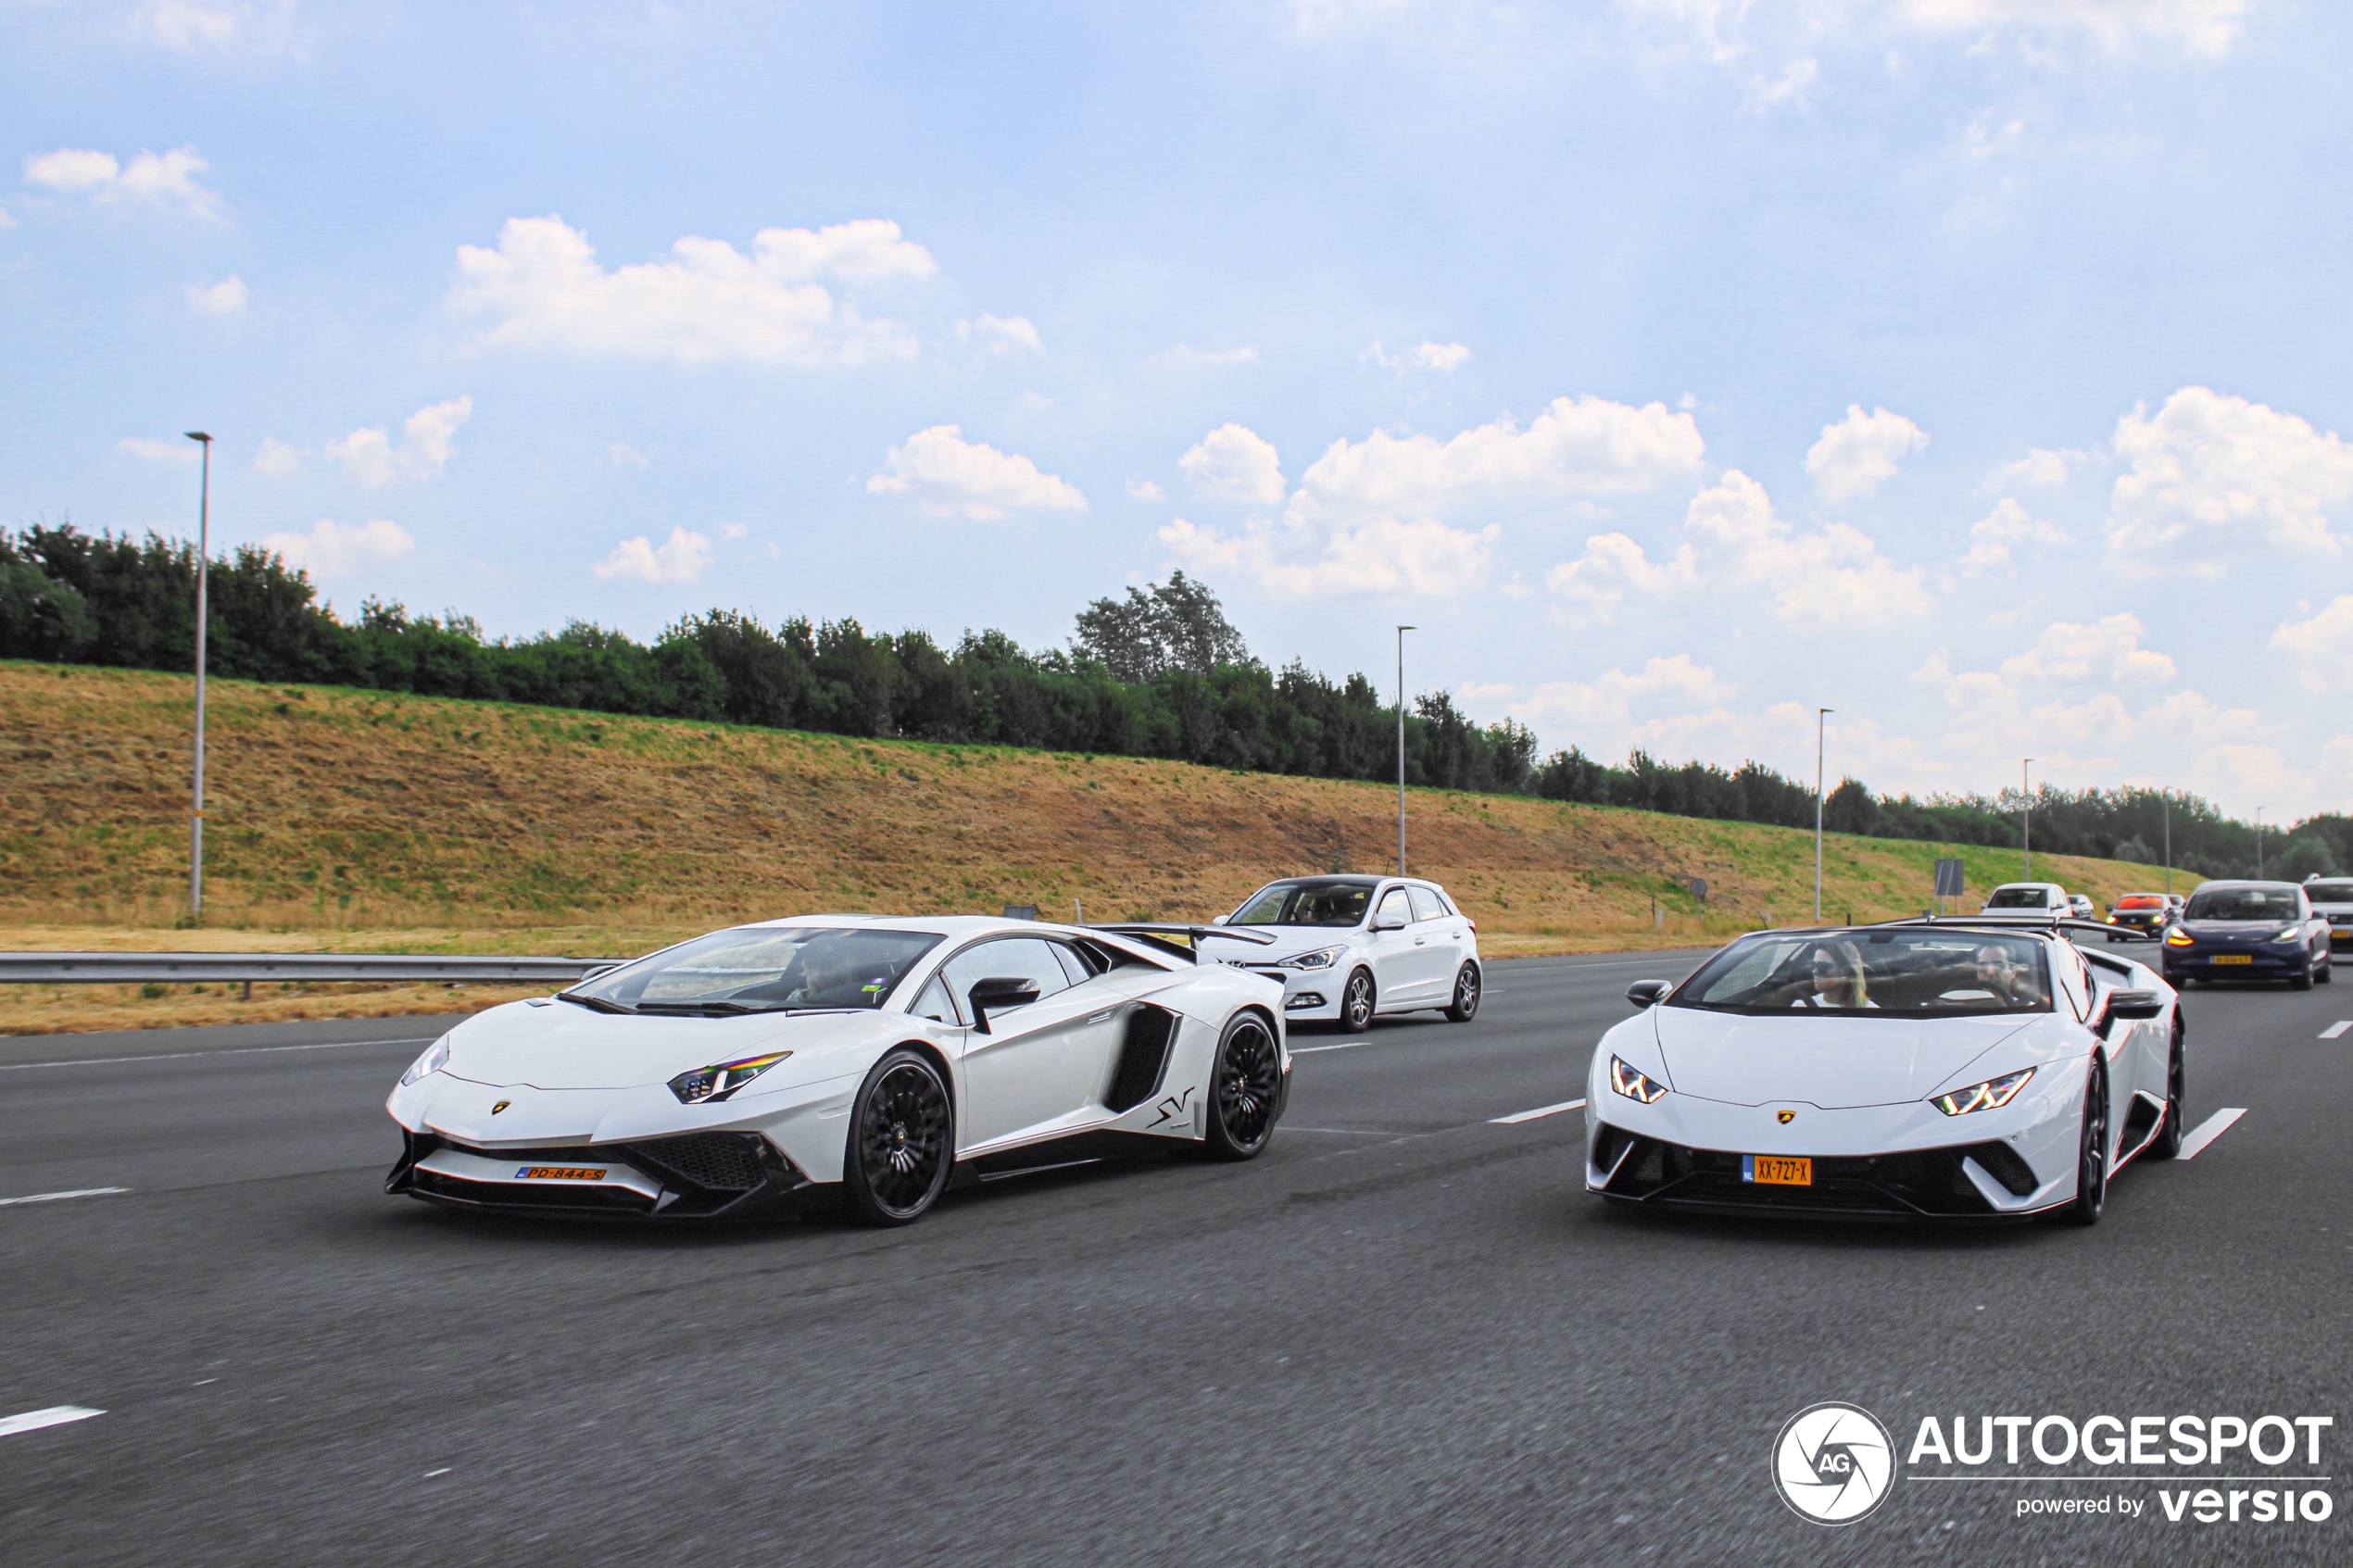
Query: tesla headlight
(436, 1056)
(2177, 937)
(1991, 1095)
(1322, 958)
(707, 1086)
(2293, 934)
(1633, 1085)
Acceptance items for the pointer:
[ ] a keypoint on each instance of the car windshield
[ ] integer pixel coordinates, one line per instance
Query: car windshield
(2329, 891)
(2019, 898)
(1306, 903)
(2241, 903)
(2141, 901)
(1942, 973)
(765, 969)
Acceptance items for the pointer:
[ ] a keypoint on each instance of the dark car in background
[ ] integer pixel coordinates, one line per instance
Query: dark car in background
(2332, 899)
(2248, 931)
(2151, 912)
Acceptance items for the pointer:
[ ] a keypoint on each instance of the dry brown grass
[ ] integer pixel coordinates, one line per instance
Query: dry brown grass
(352, 821)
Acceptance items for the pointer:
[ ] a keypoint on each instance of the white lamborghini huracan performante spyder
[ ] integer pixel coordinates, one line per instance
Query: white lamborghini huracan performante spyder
(845, 1062)
(1924, 1069)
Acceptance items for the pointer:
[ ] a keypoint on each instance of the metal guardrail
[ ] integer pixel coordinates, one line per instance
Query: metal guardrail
(180, 969)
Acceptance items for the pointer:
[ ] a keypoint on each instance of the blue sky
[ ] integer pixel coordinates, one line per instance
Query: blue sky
(1970, 367)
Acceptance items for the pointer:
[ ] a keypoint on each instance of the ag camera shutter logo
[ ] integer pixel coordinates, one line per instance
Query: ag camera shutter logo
(1834, 1463)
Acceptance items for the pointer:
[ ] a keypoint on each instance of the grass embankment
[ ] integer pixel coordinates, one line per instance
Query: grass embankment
(362, 821)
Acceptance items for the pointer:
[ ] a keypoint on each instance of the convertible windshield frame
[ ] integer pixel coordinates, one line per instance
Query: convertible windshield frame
(1919, 972)
(764, 969)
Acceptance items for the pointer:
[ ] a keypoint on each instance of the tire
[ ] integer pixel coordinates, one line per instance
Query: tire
(2091, 1152)
(2302, 982)
(1356, 1002)
(2328, 968)
(1464, 1007)
(2167, 1145)
(902, 1141)
(1245, 1084)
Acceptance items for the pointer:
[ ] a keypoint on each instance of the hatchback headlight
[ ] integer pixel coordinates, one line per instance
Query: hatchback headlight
(1322, 958)
(707, 1086)
(1633, 1085)
(1992, 1095)
(436, 1056)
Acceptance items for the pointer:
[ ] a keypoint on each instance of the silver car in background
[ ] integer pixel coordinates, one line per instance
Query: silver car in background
(2332, 899)
(1349, 947)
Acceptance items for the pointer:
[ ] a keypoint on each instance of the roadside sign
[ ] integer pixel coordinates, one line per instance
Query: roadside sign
(1699, 890)
(1949, 881)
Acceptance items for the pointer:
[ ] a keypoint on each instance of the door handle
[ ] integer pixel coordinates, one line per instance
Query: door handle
(1103, 1017)
(1421, 941)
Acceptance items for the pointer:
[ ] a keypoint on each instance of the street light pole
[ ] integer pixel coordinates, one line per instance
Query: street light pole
(2258, 844)
(1400, 748)
(1819, 715)
(2165, 803)
(203, 552)
(2026, 818)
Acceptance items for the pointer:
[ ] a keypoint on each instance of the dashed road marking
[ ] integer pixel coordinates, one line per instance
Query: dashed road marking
(1343, 1046)
(2339, 1027)
(33, 1421)
(56, 1197)
(2205, 1132)
(1531, 1115)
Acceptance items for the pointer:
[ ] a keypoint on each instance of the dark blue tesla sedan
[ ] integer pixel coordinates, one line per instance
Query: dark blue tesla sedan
(2248, 931)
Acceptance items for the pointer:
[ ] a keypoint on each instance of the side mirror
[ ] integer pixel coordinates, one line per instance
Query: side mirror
(1648, 993)
(2134, 1004)
(1219, 920)
(1388, 923)
(999, 993)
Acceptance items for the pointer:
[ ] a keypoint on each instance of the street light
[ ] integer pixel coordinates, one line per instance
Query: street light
(1819, 714)
(2026, 818)
(204, 549)
(2165, 804)
(1401, 747)
(2258, 844)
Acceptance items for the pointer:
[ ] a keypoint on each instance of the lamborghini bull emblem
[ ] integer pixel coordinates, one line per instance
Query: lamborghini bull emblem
(504, 1103)
(1785, 1117)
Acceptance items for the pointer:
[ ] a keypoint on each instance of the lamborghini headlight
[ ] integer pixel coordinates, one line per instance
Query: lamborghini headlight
(1991, 1095)
(707, 1086)
(1633, 1085)
(1322, 958)
(2177, 937)
(436, 1056)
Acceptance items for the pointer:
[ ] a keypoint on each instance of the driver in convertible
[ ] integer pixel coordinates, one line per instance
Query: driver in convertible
(1999, 971)
(1837, 980)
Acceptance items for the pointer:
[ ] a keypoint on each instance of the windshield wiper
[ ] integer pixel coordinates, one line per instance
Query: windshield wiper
(597, 1004)
(702, 1010)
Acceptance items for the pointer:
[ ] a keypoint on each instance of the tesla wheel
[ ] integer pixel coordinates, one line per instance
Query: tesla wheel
(2091, 1152)
(1464, 1007)
(1243, 1087)
(1356, 1003)
(902, 1141)
(2167, 1145)
(2302, 978)
(2328, 967)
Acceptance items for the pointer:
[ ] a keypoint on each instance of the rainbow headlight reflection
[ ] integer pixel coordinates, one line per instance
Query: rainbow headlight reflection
(705, 1085)
(1633, 1085)
(1991, 1095)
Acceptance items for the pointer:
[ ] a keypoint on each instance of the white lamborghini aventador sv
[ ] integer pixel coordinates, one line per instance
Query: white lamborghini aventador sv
(1947, 1070)
(842, 1061)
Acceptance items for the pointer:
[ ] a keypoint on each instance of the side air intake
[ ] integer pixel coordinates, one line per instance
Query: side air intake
(1143, 1057)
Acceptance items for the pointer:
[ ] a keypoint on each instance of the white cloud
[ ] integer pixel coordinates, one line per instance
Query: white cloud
(1613, 568)
(2109, 652)
(2204, 27)
(226, 297)
(1734, 31)
(428, 442)
(188, 26)
(154, 451)
(2043, 467)
(1446, 357)
(1597, 716)
(1994, 537)
(157, 179)
(1382, 559)
(2322, 646)
(1002, 334)
(620, 455)
(335, 549)
(682, 557)
(1145, 490)
(1186, 354)
(1235, 463)
(1576, 446)
(710, 303)
(731, 532)
(1835, 577)
(1854, 455)
(277, 459)
(2212, 476)
(1793, 88)
(948, 476)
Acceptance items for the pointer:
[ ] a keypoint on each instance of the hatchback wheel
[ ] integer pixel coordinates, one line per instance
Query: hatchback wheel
(1356, 1003)
(1464, 1006)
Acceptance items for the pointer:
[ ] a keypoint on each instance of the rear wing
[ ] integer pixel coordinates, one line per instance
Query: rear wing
(1164, 935)
(2027, 919)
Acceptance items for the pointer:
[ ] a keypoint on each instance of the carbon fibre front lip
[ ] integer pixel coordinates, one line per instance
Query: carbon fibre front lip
(783, 1193)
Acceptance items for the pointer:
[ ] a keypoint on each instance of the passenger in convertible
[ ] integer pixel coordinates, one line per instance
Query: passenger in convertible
(1837, 979)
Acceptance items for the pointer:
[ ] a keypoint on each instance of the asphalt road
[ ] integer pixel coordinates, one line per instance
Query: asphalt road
(1403, 1336)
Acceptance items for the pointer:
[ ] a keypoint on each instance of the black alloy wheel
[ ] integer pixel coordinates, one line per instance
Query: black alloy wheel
(1464, 1007)
(1243, 1087)
(2091, 1152)
(2167, 1145)
(1356, 1003)
(2328, 967)
(2302, 978)
(902, 1142)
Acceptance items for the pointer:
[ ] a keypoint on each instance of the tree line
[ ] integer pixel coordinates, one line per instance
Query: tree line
(1157, 674)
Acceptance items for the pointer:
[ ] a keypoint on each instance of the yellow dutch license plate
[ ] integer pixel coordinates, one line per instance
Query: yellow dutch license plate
(1777, 1170)
(560, 1173)
(2234, 957)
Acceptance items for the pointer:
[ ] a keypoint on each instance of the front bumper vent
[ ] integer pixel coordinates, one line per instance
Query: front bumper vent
(1920, 1183)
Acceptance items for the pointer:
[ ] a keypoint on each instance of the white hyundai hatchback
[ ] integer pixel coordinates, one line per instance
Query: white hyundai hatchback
(1347, 948)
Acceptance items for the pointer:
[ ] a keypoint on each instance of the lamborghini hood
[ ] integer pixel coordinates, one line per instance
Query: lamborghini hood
(1835, 1062)
(564, 1047)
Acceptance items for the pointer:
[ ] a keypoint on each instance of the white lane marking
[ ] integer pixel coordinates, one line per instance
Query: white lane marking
(1310, 1050)
(33, 1421)
(2205, 1132)
(1540, 1111)
(431, 1474)
(55, 1197)
(2339, 1027)
(229, 1050)
(1339, 1132)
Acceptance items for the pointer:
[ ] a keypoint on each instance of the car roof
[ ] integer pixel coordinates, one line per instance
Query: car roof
(2239, 884)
